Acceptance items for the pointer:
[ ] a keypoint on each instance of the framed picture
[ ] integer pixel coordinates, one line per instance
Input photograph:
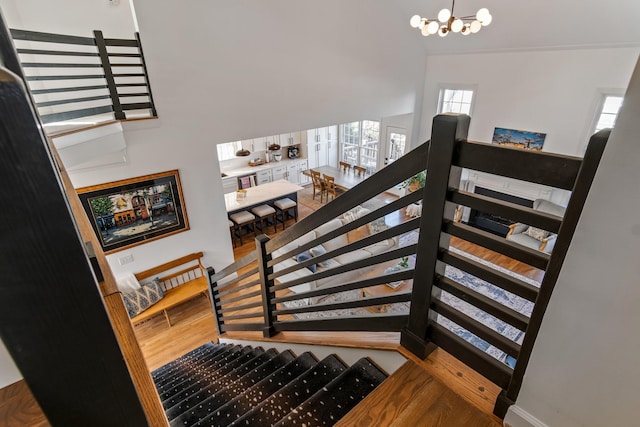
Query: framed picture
(134, 211)
(519, 138)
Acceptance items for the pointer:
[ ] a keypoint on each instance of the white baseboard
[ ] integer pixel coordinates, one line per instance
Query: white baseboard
(518, 417)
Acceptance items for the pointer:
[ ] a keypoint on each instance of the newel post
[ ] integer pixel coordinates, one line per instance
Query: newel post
(265, 284)
(446, 130)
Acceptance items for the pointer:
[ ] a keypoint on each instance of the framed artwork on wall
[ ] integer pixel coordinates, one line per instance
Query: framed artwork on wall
(519, 138)
(134, 211)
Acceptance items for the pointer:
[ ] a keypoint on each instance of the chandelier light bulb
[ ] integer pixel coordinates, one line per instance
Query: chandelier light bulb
(482, 14)
(442, 32)
(415, 21)
(466, 30)
(487, 20)
(444, 15)
(433, 27)
(423, 24)
(456, 25)
(475, 26)
(425, 31)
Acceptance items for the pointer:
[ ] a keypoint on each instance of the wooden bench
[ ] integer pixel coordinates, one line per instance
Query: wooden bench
(180, 286)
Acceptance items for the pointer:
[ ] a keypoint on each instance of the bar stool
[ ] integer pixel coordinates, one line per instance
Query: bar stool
(232, 231)
(284, 208)
(244, 219)
(263, 213)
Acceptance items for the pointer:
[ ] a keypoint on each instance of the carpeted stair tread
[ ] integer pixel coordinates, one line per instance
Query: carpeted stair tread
(168, 371)
(155, 374)
(263, 389)
(289, 397)
(215, 361)
(223, 388)
(201, 378)
(190, 366)
(333, 401)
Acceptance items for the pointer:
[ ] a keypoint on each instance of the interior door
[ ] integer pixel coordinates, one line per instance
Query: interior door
(395, 147)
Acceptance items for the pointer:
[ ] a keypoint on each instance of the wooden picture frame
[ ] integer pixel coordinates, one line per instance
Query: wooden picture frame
(130, 212)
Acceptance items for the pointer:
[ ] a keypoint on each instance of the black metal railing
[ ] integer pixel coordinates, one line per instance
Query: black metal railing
(102, 78)
(260, 296)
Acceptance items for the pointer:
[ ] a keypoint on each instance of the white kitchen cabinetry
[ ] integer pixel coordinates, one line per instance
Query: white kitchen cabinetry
(289, 139)
(279, 172)
(302, 178)
(263, 176)
(292, 172)
(322, 146)
(229, 184)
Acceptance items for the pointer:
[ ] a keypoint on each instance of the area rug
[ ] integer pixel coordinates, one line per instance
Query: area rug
(506, 298)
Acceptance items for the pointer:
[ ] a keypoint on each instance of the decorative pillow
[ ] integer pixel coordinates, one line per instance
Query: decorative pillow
(318, 250)
(139, 300)
(305, 256)
(537, 233)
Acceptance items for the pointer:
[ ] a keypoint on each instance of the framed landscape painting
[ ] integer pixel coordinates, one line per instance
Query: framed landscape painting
(134, 211)
(519, 138)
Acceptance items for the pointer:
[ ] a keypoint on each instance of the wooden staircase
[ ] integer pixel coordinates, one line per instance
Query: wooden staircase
(230, 385)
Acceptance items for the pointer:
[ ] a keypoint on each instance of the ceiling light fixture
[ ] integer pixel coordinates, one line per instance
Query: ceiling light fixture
(447, 22)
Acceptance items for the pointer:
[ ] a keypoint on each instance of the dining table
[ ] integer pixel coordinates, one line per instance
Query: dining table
(344, 180)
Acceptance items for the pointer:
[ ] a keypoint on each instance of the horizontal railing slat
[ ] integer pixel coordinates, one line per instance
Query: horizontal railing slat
(238, 298)
(240, 307)
(67, 89)
(129, 75)
(242, 316)
(235, 289)
(495, 277)
(492, 369)
(58, 65)
(237, 279)
(358, 303)
(376, 259)
(130, 84)
(36, 36)
(135, 105)
(71, 100)
(86, 112)
(121, 42)
(234, 267)
(484, 303)
(475, 327)
(498, 244)
(225, 327)
(549, 169)
(124, 55)
(505, 209)
(373, 323)
(55, 52)
(405, 274)
(65, 77)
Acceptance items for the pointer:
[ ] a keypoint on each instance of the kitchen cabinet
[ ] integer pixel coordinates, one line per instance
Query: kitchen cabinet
(279, 172)
(229, 184)
(289, 139)
(263, 176)
(292, 172)
(322, 146)
(303, 179)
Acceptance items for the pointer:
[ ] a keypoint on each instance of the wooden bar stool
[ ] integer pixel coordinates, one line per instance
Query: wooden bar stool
(263, 213)
(244, 219)
(284, 207)
(232, 231)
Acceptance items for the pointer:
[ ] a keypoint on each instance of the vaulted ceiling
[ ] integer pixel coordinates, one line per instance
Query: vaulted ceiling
(534, 24)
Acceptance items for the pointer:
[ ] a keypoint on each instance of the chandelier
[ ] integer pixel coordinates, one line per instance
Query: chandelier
(447, 23)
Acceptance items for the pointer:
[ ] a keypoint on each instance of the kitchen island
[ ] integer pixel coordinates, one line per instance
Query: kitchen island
(261, 194)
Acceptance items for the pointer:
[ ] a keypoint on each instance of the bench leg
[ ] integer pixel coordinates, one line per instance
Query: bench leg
(166, 316)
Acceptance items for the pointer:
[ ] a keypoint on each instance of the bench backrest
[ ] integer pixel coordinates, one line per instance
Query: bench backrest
(192, 268)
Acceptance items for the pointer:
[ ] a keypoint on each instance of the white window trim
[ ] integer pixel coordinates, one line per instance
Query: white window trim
(456, 86)
(598, 104)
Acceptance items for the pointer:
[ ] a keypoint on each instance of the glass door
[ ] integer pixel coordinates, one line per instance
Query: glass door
(395, 147)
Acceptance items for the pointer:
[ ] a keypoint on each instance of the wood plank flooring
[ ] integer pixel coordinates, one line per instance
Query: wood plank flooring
(434, 403)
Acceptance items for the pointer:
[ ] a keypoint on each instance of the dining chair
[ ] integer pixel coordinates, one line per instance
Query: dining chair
(318, 184)
(331, 189)
(360, 170)
(346, 167)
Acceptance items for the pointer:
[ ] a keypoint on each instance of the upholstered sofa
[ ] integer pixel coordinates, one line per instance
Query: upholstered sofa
(340, 241)
(533, 237)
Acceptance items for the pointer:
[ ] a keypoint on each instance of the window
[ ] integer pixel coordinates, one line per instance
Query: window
(455, 100)
(608, 112)
(359, 144)
(228, 150)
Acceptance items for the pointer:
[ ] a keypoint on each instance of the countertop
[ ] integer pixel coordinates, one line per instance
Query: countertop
(260, 194)
(248, 170)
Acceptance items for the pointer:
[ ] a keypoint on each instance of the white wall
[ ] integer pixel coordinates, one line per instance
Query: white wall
(554, 92)
(584, 368)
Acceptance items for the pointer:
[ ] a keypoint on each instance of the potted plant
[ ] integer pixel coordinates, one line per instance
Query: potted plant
(416, 182)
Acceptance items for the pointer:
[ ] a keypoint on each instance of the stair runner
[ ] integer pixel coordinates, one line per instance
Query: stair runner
(231, 385)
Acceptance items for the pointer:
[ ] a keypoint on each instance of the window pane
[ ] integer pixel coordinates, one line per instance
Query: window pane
(612, 104)
(456, 101)
(609, 113)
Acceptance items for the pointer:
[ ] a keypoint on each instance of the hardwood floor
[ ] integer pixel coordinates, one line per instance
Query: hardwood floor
(424, 393)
